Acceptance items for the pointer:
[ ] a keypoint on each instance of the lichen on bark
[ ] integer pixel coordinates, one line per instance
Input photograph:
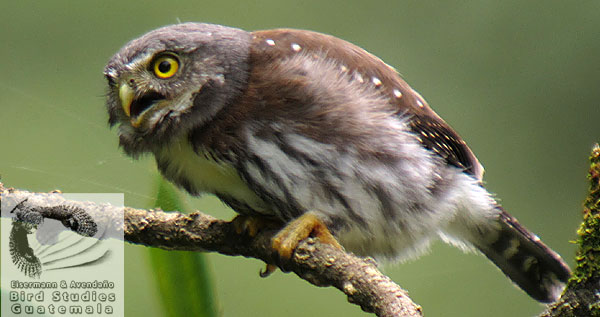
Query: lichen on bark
(581, 296)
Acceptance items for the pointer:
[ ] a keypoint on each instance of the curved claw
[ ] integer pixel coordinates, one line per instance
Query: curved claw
(269, 269)
(286, 241)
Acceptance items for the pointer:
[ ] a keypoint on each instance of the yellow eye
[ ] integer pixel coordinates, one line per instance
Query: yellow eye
(165, 66)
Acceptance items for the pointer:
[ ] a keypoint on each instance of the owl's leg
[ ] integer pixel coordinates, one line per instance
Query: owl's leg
(252, 225)
(286, 241)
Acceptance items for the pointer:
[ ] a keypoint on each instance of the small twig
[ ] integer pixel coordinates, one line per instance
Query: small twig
(319, 264)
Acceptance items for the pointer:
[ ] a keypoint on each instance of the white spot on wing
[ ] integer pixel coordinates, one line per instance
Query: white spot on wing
(296, 47)
(397, 93)
(376, 81)
(270, 42)
(420, 100)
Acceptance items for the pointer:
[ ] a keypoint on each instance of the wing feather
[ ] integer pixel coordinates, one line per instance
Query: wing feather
(431, 130)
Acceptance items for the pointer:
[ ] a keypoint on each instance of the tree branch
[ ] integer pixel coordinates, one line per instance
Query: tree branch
(319, 264)
(581, 296)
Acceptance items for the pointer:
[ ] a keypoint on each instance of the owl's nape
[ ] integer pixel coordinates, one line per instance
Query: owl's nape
(316, 134)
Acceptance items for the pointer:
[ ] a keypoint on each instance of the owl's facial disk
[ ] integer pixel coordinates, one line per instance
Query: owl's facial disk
(140, 88)
(172, 80)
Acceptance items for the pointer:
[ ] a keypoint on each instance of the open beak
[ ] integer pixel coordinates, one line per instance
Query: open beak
(126, 94)
(135, 107)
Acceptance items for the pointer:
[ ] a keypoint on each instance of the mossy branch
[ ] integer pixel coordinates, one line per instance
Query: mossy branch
(582, 294)
(319, 264)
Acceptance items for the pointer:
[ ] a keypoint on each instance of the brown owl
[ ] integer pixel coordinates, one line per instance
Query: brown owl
(315, 133)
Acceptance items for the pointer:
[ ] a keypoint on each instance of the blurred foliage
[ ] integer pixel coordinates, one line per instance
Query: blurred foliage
(517, 79)
(184, 280)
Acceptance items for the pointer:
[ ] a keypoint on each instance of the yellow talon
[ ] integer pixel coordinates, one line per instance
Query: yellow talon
(286, 241)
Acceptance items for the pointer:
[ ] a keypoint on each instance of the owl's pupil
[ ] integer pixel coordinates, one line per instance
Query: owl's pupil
(164, 66)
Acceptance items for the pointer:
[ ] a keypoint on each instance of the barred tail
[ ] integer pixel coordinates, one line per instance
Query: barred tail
(526, 260)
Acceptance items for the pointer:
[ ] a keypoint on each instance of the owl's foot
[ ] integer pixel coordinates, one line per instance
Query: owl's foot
(286, 241)
(252, 225)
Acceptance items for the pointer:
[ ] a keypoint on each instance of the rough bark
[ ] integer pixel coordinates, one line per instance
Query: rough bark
(319, 264)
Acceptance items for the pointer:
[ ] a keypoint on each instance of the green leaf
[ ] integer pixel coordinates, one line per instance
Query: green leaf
(183, 278)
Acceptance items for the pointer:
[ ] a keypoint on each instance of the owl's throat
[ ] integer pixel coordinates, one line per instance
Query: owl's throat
(143, 103)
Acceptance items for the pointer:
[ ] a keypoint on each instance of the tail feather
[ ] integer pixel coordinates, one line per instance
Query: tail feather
(526, 260)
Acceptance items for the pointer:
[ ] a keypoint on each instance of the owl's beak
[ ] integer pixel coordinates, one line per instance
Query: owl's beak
(126, 94)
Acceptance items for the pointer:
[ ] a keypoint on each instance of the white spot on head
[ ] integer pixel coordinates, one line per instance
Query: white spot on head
(270, 42)
(376, 81)
(296, 47)
(397, 93)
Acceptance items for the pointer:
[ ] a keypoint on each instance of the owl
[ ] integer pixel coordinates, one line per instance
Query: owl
(316, 134)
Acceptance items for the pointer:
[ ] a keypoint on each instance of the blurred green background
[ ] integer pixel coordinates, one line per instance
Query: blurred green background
(518, 80)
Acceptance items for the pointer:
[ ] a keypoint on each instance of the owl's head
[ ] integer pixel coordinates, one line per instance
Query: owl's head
(173, 79)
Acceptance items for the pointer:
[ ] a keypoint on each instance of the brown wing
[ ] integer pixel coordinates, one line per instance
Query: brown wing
(431, 130)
